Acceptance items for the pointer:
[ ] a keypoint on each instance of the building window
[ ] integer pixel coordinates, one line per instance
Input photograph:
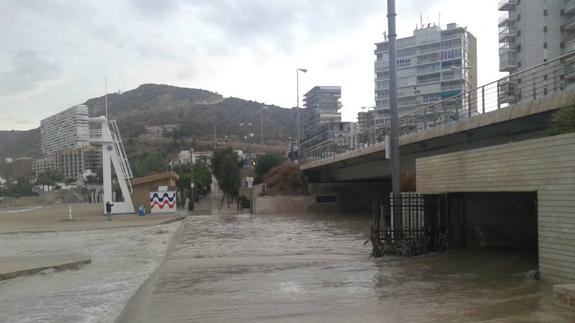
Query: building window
(545, 12)
(545, 45)
(403, 62)
(544, 29)
(562, 45)
(518, 17)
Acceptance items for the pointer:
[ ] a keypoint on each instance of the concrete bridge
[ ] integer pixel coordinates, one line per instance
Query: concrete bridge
(508, 185)
(514, 123)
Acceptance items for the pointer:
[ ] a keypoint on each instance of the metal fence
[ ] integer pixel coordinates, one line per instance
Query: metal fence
(411, 224)
(530, 84)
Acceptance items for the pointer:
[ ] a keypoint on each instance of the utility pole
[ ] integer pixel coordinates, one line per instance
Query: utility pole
(297, 114)
(395, 163)
(106, 97)
(192, 185)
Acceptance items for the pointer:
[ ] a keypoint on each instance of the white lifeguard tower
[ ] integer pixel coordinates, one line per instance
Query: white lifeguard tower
(113, 154)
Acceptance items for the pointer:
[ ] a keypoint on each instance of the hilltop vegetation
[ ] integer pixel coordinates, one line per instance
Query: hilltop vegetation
(202, 117)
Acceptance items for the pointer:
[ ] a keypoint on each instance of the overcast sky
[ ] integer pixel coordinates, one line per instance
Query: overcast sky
(57, 53)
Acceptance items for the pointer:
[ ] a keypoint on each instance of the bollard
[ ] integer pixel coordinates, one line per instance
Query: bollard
(69, 213)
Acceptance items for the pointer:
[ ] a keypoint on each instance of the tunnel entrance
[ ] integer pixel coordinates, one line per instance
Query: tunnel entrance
(500, 220)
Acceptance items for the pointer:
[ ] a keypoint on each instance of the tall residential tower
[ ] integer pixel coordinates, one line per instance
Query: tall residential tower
(433, 64)
(534, 31)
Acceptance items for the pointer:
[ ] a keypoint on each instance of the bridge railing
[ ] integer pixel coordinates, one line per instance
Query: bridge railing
(551, 77)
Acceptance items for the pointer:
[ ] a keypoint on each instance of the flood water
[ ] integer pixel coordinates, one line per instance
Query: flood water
(272, 268)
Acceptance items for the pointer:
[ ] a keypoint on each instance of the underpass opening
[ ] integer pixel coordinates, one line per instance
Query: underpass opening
(498, 221)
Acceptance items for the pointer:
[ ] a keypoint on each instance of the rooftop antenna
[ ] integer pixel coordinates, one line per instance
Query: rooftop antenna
(106, 96)
(439, 20)
(421, 19)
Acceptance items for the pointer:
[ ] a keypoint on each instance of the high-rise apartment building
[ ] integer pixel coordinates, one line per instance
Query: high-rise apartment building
(68, 129)
(534, 31)
(531, 32)
(432, 65)
(321, 120)
(322, 104)
(65, 144)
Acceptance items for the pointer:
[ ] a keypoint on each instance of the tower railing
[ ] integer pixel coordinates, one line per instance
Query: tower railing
(119, 147)
(533, 83)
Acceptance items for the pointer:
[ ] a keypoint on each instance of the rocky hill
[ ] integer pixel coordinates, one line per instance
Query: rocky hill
(201, 116)
(20, 143)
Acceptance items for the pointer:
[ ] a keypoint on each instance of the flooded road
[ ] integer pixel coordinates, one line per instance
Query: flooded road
(271, 268)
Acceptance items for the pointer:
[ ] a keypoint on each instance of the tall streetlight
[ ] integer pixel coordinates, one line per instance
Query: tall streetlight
(262, 124)
(247, 138)
(303, 70)
(393, 100)
(192, 184)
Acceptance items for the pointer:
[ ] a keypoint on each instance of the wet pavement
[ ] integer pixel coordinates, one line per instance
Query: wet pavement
(306, 268)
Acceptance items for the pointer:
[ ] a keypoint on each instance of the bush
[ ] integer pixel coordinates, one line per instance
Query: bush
(265, 163)
(285, 179)
(563, 121)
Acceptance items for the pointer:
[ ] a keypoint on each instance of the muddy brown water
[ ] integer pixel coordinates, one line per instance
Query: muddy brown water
(314, 268)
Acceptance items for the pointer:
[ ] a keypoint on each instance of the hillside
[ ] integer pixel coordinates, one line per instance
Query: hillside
(202, 117)
(20, 143)
(200, 113)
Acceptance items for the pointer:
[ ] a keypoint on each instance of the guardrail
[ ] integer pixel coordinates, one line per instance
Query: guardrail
(530, 84)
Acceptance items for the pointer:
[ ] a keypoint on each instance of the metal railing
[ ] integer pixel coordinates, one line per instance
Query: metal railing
(527, 85)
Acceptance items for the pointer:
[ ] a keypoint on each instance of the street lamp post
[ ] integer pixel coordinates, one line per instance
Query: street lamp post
(303, 70)
(395, 163)
(247, 138)
(262, 125)
(191, 202)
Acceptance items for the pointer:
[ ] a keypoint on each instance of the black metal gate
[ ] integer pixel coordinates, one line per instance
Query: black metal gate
(411, 224)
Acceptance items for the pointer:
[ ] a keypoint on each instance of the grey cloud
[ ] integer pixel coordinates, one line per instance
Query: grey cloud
(154, 8)
(28, 71)
(246, 23)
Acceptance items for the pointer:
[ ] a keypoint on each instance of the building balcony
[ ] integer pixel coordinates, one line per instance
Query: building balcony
(506, 21)
(570, 46)
(507, 35)
(569, 7)
(570, 23)
(507, 5)
(507, 59)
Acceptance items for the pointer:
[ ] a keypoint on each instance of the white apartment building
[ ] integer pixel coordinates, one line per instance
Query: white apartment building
(65, 144)
(534, 31)
(432, 65)
(322, 105)
(65, 130)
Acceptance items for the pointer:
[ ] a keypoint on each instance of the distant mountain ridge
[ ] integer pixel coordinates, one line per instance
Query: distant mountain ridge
(201, 114)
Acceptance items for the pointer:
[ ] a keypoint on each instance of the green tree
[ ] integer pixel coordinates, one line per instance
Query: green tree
(148, 163)
(265, 163)
(49, 177)
(22, 187)
(202, 175)
(227, 170)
